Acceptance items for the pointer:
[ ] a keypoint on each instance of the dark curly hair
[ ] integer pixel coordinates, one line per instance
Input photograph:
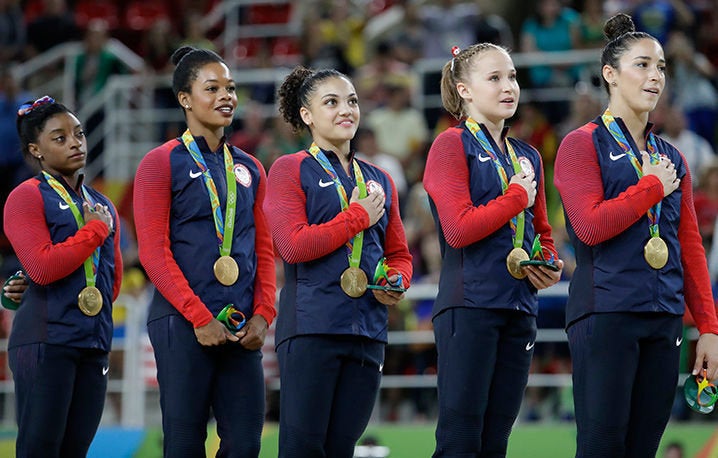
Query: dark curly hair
(621, 33)
(296, 90)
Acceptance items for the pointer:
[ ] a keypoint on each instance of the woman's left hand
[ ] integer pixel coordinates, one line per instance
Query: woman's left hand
(15, 288)
(252, 335)
(707, 352)
(543, 277)
(388, 297)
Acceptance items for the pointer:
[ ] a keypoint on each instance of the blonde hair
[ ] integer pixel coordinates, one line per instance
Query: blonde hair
(457, 70)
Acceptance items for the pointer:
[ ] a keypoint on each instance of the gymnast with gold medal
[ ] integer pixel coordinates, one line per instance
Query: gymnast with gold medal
(335, 221)
(66, 237)
(628, 200)
(486, 192)
(204, 242)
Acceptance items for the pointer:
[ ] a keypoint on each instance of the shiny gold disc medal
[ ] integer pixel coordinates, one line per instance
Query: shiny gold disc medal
(226, 270)
(353, 282)
(513, 262)
(90, 301)
(656, 252)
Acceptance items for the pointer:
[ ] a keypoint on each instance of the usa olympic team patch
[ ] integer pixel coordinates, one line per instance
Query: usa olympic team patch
(372, 186)
(242, 175)
(526, 166)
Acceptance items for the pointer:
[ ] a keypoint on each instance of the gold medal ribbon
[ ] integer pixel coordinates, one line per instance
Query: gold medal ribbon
(223, 227)
(357, 243)
(517, 223)
(654, 213)
(90, 265)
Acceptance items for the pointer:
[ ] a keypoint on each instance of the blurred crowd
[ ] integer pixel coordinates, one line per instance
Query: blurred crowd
(379, 43)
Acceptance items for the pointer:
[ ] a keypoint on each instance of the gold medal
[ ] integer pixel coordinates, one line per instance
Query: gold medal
(226, 270)
(513, 262)
(656, 252)
(353, 282)
(90, 301)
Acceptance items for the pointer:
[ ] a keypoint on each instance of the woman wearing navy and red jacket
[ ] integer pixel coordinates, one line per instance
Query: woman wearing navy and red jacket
(205, 244)
(66, 236)
(482, 188)
(629, 212)
(333, 219)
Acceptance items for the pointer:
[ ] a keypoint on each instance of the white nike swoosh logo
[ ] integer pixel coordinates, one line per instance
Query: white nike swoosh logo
(324, 184)
(194, 175)
(529, 346)
(484, 158)
(63, 206)
(615, 157)
(105, 370)
(679, 341)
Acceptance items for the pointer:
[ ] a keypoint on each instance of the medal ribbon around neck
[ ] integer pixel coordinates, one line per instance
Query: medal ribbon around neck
(517, 223)
(225, 232)
(654, 213)
(90, 265)
(357, 243)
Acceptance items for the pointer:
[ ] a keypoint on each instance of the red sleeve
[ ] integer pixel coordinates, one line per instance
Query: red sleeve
(396, 249)
(296, 240)
(26, 229)
(540, 221)
(696, 280)
(577, 176)
(265, 287)
(152, 202)
(446, 180)
(119, 267)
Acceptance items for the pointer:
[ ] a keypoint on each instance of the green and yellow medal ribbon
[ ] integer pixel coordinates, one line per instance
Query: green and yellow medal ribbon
(654, 213)
(90, 265)
(355, 245)
(517, 223)
(224, 227)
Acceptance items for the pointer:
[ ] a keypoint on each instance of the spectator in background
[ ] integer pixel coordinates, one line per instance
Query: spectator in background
(693, 87)
(492, 28)
(193, 34)
(674, 450)
(13, 169)
(585, 104)
(448, 23)
(280, 140)
(533, 127)
(674, 129)
(367, 148)
(400, 128)
(342, 28)
(661, 17)
(12, 31)
(253, 128)
(591, 25)
(55, 25)
(553, 28)
(371, 77)
(705, 201)
(407, 36)
(93, 68)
